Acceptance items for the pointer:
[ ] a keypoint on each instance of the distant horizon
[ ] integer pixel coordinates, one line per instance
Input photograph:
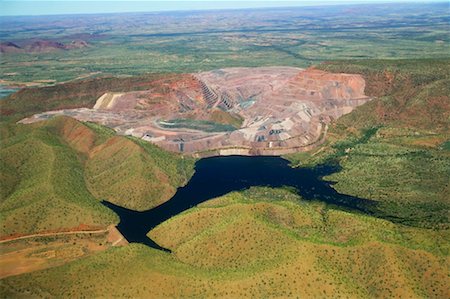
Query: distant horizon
(23, 8)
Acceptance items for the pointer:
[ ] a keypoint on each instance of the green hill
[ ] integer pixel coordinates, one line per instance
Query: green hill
(392, 149)
(135, 174)
(258, 243)
(55, 172)
(44, 185)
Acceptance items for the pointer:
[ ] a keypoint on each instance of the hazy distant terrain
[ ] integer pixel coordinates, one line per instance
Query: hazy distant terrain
(129, 44)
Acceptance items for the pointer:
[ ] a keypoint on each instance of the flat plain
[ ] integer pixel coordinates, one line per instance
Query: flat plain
(185, 42)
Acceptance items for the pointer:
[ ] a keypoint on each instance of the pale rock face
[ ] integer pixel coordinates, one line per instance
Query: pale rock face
(284, 109)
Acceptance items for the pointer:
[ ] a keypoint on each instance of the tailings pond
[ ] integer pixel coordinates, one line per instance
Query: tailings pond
(220, 175)
(6, 91)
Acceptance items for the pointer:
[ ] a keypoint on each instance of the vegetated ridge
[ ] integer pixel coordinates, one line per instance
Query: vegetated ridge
(259, 242)
(54, 173)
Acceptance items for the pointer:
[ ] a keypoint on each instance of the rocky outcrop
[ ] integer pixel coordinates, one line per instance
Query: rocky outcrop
(41, 46)
(9, 47)
(77, 44)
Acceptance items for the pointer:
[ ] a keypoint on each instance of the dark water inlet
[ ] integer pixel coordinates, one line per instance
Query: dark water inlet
(217, 176)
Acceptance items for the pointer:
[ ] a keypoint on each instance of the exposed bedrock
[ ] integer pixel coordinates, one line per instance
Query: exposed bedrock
(245, 111)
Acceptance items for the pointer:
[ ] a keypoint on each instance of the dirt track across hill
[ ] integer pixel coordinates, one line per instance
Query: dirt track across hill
(55, 234)
(28, 253)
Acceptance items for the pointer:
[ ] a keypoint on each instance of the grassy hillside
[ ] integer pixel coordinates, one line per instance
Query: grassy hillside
(43, 186)
(257, 243)
(135, 174)
(55, 172)
(392, 149)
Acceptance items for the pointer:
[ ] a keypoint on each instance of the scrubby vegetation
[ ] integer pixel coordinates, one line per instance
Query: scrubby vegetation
(135, 174)
(43, 186)
(55, 172)
(256, 243)
(392, 149)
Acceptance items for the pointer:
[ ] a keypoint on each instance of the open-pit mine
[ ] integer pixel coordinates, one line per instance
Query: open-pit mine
(245, 111)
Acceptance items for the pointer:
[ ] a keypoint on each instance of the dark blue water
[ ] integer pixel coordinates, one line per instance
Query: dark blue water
(220, 175)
